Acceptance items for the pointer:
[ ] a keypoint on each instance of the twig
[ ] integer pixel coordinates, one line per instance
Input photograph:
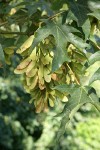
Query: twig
(57, 14)
(19, 33)
(73, 74)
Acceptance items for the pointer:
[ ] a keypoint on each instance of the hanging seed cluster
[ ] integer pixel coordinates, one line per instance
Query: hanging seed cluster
(38, 79)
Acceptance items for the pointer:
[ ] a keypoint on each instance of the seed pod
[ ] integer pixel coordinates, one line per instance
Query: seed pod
(46, 59)
(72, 78)
(32, 72)
(30, 66)
(40, 105)
(52, 92)
(59, 94)
(41, 74)
(65, 99)
(40, 71)
(36, 94)
(51, 102)
(24, 64)
(25, 54)
(25, 45)
(20, 71)
(41, 86)
(68, 79)
(28, 81)
(27, 88)
(33, 55)
(59, 71)
(47, 76)
(45, 109)
(33, 82)
(54, 76)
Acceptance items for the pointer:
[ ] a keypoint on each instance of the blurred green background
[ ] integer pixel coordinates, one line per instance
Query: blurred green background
(22, 129)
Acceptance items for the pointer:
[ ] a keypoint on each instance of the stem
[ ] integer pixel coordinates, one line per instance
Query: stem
(57, 14)
(73, 74)
(19, 33)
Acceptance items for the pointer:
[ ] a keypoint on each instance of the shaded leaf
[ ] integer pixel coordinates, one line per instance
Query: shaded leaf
(64, 88)
(62, 34)
(95, 57)
(68, 16)
(80, 10)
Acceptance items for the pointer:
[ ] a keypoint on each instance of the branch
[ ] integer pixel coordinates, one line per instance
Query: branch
(73, 75)
(18, 33)
(55, 15)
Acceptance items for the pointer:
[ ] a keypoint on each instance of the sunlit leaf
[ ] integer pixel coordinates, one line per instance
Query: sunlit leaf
(79, 96)
(96, 76)
(95, 57)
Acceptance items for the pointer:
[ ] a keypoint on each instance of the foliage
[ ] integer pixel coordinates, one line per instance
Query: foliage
(58, 43)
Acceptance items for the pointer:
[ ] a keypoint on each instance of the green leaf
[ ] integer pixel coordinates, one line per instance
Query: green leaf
(60, 56)
(62, 34)
(86, 28)
(57, 5)
(96, 76)
(78, 42)
(89, 73)
(65, 88)
(68, 16)
(79, 96)
(65, 119)
(95, 14)
(95, 39)
(94, 5)
(80, 10)
(94, 57)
